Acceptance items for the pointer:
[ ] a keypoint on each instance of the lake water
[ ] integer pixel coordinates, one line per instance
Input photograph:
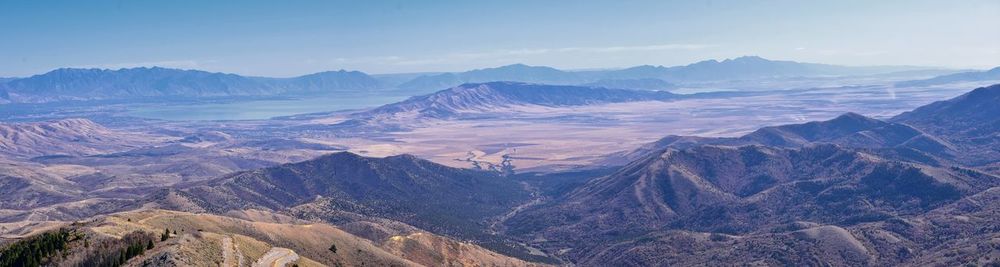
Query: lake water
(259, 109)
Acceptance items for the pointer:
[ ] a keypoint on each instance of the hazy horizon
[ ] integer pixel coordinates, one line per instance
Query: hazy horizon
(264, 39)
(115, 68)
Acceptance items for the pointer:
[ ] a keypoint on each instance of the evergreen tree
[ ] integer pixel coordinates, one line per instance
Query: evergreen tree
(165, 235)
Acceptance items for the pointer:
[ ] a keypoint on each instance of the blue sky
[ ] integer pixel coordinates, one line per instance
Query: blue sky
(288, 38)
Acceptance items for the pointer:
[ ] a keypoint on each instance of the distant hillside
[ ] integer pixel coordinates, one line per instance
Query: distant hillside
(61, 137)
(852, 130)
(98, 84)
(976, 76)
(800, 134)
(967, 115)
(970, 121)
(500, 95)
(849, 130)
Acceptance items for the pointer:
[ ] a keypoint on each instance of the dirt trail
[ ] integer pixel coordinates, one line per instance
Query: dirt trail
(277, 257)
(230, 256)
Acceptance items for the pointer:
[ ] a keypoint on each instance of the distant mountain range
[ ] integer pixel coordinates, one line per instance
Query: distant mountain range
(162, 83)
(974, 76)
(97, 84)
(747, 67)
(741, 68)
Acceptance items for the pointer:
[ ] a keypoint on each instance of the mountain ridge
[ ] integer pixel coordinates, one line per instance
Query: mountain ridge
(66, 84)
(403, 188)
(744, 67)
(475, 97)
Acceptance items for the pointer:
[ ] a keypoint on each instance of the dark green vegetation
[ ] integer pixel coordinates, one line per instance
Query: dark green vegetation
(36, 250)
(114, 252)
(72, 247)
(165, 235)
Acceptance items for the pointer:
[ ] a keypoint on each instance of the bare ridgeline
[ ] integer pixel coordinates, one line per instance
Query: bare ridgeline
(737, 162)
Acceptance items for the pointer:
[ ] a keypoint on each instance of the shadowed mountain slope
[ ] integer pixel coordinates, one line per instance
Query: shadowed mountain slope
(850, 130)
(754, 186)
(746, 191)
(402, 188)
(970, 115)
(960, 233)
(800, 134)
(970, 121)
